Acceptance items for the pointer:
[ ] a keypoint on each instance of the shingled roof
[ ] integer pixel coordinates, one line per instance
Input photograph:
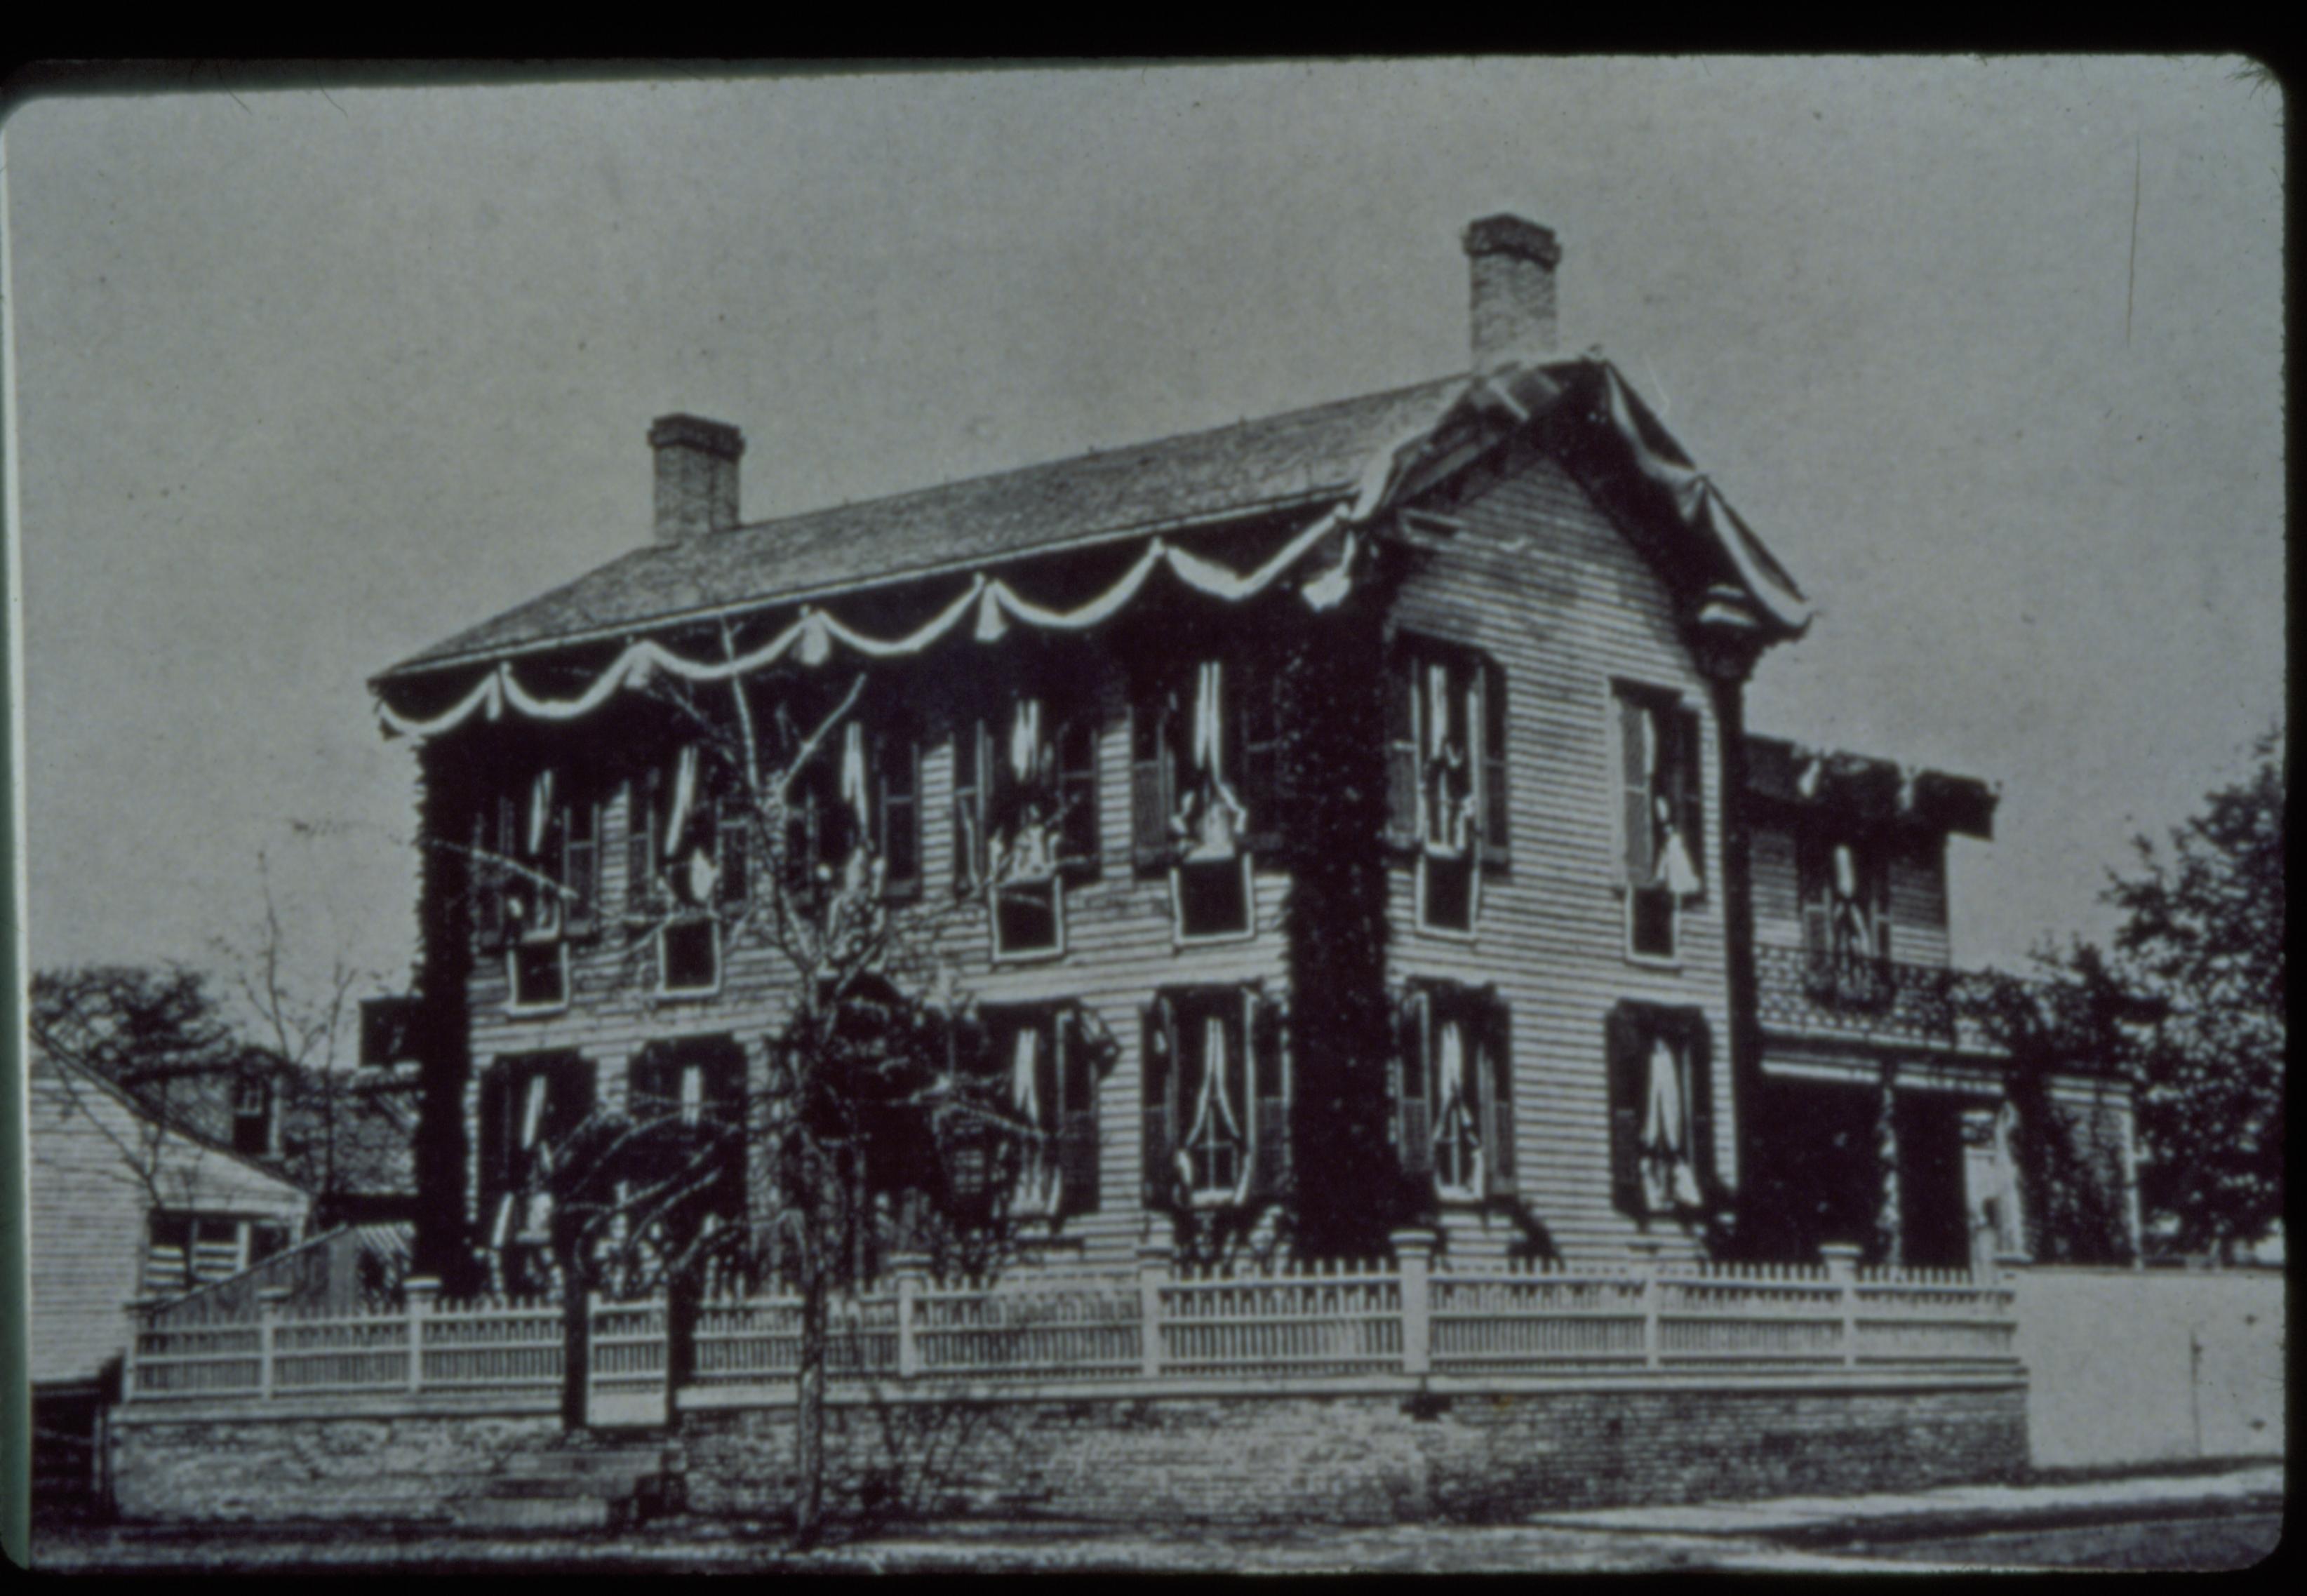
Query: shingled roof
(1220, 474)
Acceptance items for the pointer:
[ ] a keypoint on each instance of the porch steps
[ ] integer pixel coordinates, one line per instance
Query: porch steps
(569, 1489)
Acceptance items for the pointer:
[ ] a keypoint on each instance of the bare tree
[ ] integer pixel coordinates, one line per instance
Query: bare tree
(160, 1038)
(873, 1129)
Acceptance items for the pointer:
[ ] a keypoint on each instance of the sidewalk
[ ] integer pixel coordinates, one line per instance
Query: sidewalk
(1814, 1521)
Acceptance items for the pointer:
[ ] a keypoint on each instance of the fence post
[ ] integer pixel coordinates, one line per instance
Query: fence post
(421, 1291)
(2009, 1269)
(140, 1320)
(1413, 1262)
(1843, 1269)
(1647, 1251)
(269, 1299)
(912, 1272)
(1152, 1273)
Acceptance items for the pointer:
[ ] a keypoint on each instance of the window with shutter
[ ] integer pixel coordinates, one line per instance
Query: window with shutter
(969, 763)
(1414, 1115)
(898, 776)
(1077, 1142)
(1157, 1074)
(1025, 1047)
(1454, 1119)
(1401, 752)
(1624, 1036)
(1258, 714)
(1845, 885)
(1153, 779)
(530, 1103)
(1497, 831)
(1662, 1127)
(1447, 775)
(1661, 815)
(1497, 1033)
(1455, 1090)
(1217, 1106)
(580, 868)
(1079, 841)
(1269, 1042)
(644, 886)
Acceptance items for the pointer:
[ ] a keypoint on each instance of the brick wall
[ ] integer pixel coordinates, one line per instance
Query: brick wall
(1370, 1457)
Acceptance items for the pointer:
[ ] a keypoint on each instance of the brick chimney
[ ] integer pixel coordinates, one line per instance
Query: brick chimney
(1510, 270)
(696, 475)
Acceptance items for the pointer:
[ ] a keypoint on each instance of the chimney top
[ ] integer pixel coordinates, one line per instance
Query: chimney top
(696, 475)
(1507, 234)
(1510, 268)
(715, 438)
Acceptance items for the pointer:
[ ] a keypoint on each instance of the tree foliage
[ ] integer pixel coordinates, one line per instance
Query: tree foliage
(2202, 944)
(2186, 1004)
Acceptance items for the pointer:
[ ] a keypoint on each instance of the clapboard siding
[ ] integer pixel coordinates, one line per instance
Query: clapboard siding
(1540, 580)
(1120, 948)
(1918, 895)
(96, 1165)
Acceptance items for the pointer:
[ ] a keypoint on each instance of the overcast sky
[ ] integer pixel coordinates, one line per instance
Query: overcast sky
(1988, 353)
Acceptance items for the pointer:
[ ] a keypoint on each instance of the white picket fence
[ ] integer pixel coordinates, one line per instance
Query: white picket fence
(1163, 1323)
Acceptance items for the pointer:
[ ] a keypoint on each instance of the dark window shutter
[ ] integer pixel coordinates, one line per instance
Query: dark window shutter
(496, 1138)
(1078, 838)
(567, 1096)
(1818, 941)
(1413, 1082)
(1157, 1069)
(641, 896)
(488, 888)
(1634, 821)
(1261, 753)
(652, 1085)
(1697, 1060)
(1269, 1079)
(898, 813)
(1401, 752)
(1625, 1035)
(733, 839)
(1077, 1149)
(1151, 776)
(968, 809)
(1688, 792)
(1495, 830)
(1495, 1031)
(580, 868)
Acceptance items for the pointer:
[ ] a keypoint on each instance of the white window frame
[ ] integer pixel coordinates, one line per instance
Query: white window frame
(1244, 1063)
(1026, 956)
(1472, 930)
(1652, 699)
(1470, 1060)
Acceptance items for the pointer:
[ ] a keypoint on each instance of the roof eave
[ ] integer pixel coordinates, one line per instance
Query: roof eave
(425, 664)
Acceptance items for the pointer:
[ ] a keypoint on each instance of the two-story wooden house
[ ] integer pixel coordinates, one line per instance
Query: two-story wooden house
(1347, 807)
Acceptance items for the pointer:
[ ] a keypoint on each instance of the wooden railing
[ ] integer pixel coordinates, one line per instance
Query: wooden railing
(495, 1346)
(1416, 1317)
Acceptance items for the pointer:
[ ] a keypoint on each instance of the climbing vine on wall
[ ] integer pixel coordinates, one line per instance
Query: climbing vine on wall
(1348, 1187)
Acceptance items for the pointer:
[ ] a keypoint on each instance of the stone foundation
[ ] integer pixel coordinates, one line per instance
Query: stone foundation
(1363, 1457)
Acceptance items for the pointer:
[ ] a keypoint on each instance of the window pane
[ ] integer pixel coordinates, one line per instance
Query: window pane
(692, 956)
(1214, 898)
